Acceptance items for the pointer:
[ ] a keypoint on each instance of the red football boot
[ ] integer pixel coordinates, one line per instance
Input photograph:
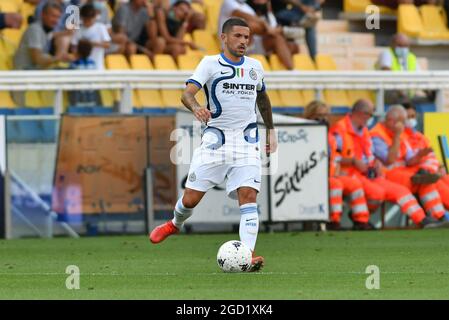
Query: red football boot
(163, 231)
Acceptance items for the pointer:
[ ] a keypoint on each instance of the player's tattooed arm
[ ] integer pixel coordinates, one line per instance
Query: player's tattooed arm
(190, 102)
(264, 105)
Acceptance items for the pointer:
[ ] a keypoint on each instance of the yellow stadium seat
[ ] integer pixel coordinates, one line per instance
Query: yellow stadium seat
(6, 100)
(13, 36)
(147, 98)
(275, 63)
(359, 6)
(198, 8)
(332, 97)
(33, 99)
(164, 62)
(303, 62)
(140, 62)
(206, 41)
(275, 98)
(27, 9)
(434, 24)
(354, 95)
(409, 20)
(212, 15)
(263, 60)
(9, 6)
(119, 62)
(188, 62)
(170, 98)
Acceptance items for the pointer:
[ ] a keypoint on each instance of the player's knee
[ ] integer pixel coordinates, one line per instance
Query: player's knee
(247, 195)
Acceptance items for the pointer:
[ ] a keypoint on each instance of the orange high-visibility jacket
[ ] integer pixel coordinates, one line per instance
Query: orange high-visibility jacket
(386, 135)
(354, 145)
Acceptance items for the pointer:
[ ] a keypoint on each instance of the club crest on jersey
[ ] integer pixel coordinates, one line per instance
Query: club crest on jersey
(253, 74)
(239, 72)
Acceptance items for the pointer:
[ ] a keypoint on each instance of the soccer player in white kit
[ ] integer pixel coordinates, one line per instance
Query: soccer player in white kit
(234, 86)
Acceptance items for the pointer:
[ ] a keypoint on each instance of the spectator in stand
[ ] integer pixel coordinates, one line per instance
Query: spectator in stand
(263, 9)
(266, 38)
(84, 98)
(300, 13)
(197, 20)
(63, 31)
(399, 58)
(34, 47)
(173, 25)
(137, 19)
(394, 4)
(95, 32)
(10, 20)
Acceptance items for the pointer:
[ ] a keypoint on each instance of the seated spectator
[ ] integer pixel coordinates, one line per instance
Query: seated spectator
(95, 32)
(394, 4)
(34, 47)
(137, 19)
(10, 20)
(63, 31)
(300, 13)
(271, 39)
(172, 26)
(197, 20)
(399, 58)
(84, 98)
(264, 10)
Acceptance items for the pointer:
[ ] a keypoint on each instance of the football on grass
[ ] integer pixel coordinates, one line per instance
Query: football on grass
(234, 256)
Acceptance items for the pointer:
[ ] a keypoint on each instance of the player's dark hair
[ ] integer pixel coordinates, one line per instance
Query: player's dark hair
(88, 11)
(231, 22)
(84, 48)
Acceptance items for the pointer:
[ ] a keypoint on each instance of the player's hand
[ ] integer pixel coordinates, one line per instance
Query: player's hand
(272, 146)
(202, 114)
(360, 165)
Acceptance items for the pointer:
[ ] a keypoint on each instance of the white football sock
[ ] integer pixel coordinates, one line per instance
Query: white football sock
(181, 214)
(249, 224)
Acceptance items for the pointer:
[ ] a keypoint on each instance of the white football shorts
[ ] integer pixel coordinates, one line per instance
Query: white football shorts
(233, 156)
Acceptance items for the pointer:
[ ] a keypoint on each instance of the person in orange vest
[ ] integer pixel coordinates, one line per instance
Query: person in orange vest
(356, 149)
(392, 148)
(429, 163)
(340, 185)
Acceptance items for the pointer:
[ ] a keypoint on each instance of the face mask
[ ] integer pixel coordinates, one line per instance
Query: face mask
(411, 123)
(370, 122)
(401, 52)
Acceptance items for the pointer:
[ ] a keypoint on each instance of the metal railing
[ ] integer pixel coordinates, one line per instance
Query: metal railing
(127, 80)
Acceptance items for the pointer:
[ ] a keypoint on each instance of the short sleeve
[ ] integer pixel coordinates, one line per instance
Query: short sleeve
(105, 37)
(385, 60)
(202, 73)
(34, 41)
(380, 149)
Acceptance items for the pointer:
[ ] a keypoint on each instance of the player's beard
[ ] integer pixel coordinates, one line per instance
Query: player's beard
(237, 54)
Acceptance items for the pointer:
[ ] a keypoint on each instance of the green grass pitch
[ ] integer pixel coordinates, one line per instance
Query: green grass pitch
(414, 264)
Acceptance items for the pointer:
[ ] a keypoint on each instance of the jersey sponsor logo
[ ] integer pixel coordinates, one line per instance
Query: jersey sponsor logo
(238, 86)
(253, 74)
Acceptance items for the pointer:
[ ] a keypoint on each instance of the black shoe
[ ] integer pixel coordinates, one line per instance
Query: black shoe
(431, 223)
(333, 226)
(359, 226)
(425, 177)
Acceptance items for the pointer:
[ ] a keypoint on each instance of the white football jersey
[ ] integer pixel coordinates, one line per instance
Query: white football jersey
(231, 90)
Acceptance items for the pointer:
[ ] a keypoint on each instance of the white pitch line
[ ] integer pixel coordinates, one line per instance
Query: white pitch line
(200, 274)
